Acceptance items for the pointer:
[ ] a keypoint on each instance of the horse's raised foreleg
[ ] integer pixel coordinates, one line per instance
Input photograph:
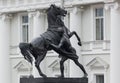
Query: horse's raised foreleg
(78, 38)
(62, 66)
(37, 63)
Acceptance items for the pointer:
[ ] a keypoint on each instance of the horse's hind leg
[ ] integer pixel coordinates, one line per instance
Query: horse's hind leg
(24, 48)
(80, 66)
(37, 63)
(62, 66)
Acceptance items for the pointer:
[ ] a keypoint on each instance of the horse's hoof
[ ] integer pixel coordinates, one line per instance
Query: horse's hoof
(85, 75)
(60, 76)
(44, 76)
(31, 76)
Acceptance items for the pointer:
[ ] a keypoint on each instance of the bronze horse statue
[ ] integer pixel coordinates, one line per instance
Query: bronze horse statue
(56, 36)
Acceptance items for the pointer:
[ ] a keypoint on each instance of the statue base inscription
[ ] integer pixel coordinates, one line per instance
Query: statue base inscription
(53, 80)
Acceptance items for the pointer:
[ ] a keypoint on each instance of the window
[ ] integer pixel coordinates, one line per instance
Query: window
(25, 28)
(99, 23)
(99, 78)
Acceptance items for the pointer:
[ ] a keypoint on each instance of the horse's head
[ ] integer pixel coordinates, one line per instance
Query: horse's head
(57, 11)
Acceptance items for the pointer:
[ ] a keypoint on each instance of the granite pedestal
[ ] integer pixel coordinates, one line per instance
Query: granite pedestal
(53, 80)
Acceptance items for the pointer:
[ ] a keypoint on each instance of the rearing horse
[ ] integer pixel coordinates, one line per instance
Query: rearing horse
(66, 51)
(39, 46)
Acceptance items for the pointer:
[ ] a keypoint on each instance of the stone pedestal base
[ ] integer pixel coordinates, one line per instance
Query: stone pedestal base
(53, 80)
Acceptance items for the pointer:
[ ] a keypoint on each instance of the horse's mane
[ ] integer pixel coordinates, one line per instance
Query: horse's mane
(49, 8)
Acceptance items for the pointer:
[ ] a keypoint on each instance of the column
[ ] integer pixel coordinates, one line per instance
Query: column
(115, 43)
(37, 21)
(4, 48)
(75, 25)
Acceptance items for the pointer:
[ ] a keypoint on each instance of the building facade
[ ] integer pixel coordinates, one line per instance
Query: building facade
(95, 21)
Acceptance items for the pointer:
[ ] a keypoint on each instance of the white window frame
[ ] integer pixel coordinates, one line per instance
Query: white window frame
(94, 21)
(21, 25)
(93, 76)
(99, 74)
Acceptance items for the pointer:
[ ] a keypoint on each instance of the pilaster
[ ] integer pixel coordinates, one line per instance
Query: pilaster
(4, 48)
(31, 13)
(115, 41)
(38, 23)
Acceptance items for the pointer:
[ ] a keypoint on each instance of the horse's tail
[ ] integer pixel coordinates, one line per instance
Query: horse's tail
(25, 51)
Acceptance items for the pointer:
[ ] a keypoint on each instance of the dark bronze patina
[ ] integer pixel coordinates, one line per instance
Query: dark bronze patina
(55, 38)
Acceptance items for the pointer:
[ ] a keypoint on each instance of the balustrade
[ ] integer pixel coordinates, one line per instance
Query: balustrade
(14, 50)
(95, 45)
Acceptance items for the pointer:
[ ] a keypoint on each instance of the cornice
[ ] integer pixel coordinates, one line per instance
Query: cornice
(45, 5)
(33, 6)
